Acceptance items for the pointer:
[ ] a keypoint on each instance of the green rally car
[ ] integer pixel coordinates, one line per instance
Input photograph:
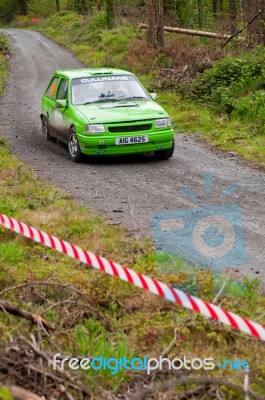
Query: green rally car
(100, 111)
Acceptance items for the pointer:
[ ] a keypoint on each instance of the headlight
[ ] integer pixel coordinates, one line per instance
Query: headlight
(97, 128)
(162, 123)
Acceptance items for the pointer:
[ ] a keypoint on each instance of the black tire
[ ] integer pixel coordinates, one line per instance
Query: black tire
(73, 147)
(46, 130)
(165, 154)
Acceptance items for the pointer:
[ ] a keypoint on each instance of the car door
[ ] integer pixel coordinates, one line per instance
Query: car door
(61, 114)
(49, 102)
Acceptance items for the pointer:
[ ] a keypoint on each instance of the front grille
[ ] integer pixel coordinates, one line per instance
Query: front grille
(132, 128)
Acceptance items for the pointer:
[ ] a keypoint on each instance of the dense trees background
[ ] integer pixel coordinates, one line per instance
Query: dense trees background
(227, 16)
(195, 14)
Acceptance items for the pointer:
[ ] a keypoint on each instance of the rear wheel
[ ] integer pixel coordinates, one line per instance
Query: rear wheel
(73, 147)
(167, 153)
(46, 130)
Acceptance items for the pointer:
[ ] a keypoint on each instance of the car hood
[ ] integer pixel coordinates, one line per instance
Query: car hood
(121, 111)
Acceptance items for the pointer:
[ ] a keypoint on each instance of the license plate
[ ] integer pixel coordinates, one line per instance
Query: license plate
(132, 140)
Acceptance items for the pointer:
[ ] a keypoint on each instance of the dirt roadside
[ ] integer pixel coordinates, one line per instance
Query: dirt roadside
(126, 190)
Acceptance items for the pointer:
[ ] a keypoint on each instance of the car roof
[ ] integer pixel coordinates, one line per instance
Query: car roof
(86, 72)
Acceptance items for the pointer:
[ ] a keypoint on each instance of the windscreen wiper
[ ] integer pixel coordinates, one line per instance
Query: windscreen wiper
(134, 98)
(101, 101)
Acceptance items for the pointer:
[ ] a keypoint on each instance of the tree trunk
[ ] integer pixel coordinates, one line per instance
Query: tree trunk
(233, 15)
(83, 6)
(160, 24)
(110, 13)
(215, 3)
(200, 13)
(99, 5)
(23, 7)
(251, 8)
(261, 6)
(151, 34)
(58, 9)
(212, 35)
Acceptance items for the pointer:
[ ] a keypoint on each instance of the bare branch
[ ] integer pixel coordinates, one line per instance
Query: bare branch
(20, 312)
(241, 30)
(143, 393)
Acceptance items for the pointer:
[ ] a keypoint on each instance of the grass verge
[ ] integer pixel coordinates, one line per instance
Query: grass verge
(3, 62)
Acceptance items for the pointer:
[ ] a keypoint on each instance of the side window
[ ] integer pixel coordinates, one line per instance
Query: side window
(62, 91)
(52, 88)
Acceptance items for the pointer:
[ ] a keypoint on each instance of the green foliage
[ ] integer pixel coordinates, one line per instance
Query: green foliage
(90, 39)
(92, 339)
(252, 294)
(235, 86)
(3, 43)
(11, 252)
(251, 108)
(244, 136)
(231, 72)
(8, 8)
(186, 13)
(3, 61)
(63, 20)
(5, 394)
(96, 24)
(41, 8)
(81, 6)
(203, 283)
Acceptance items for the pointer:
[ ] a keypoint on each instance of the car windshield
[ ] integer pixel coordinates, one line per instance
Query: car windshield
(106, 88)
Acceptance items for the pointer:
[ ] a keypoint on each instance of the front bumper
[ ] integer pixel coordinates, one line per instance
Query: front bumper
(105, 144)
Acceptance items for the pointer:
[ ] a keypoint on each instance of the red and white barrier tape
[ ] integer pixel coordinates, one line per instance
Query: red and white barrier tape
(135, 278)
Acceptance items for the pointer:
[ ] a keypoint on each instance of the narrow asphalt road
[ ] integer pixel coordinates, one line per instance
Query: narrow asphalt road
(130, 190)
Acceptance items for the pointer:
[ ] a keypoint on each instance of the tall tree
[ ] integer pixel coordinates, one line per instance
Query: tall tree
(251, 8)
(58, 5)
(8, 8)
(155, 15)
(200, 13)
(23, 7)
(160, 24)
(151, 33)
(110, 13)
(233, 15)
(84, 6)
(261, 21)
(215, 7)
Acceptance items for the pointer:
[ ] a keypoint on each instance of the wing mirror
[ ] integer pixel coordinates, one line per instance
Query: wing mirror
(61, 104)
(153, 96)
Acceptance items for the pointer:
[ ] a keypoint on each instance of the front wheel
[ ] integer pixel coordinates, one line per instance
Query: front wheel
(167, 153)
(73, 147)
